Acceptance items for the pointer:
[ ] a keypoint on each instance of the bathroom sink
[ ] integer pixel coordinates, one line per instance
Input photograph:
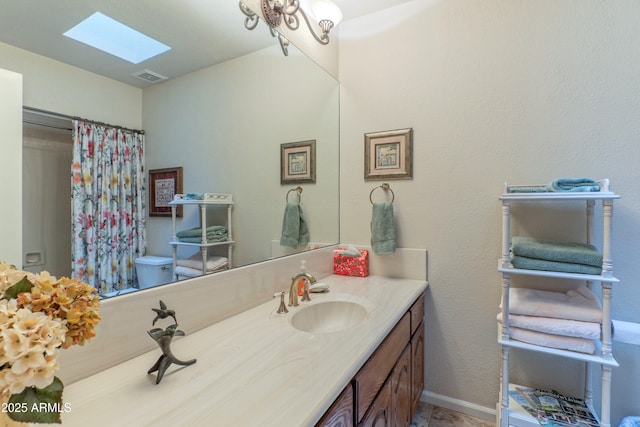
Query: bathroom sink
(329, 316)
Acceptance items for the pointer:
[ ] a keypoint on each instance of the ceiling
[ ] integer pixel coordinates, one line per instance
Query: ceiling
(201, 33)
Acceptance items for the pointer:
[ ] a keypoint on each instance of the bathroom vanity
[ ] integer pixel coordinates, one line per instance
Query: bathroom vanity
(263, 368)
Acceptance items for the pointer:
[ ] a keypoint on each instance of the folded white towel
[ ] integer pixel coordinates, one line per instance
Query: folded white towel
(195, 261)
(548, 325)
(554, 341)
(579, 304)
(195, 272)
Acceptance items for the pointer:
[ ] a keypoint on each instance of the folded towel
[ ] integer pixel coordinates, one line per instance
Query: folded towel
(574, 185)
(209, 239)
(633, 421)
(383, 229)
(195, 272)
(570, 252)
(554, 341)
(577, 304)
(528, 189)
(548, 325)
(194, 196)
(545, 265)
(295, 231)
(195, 261)
(197, 231)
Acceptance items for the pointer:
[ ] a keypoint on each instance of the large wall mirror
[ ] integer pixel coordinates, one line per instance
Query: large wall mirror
(225, 125)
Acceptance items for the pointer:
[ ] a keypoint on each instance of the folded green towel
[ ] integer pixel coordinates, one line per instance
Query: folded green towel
(295, 231)
(383, 229)
(197, 231)
(569, 252)
(211, 238)
(574, 185)
(542, 264)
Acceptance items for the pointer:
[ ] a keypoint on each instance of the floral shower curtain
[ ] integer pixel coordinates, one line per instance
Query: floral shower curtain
(108, 204)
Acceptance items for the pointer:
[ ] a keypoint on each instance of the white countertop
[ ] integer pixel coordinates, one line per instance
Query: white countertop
(253, 369)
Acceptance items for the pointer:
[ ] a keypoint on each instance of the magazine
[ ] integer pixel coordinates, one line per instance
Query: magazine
(553, 409)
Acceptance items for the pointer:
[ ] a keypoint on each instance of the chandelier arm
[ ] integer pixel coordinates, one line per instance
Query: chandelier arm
(292, 7)
(324, 39)
(251, 20)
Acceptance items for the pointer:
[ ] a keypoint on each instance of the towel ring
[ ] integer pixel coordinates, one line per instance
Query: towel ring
(386, 187)
(298, 190)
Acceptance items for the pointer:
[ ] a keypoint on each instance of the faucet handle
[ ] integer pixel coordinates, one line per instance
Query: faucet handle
(282, 309)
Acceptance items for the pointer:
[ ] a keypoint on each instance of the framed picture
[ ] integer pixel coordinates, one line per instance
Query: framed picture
(388, 155)
(298, 162)
(163, 185)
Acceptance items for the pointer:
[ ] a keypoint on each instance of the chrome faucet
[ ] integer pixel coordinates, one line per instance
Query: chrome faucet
(293, 291)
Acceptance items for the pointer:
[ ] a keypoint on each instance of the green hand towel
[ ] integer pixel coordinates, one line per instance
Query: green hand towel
(303, 235)
(383, 229)
(295, 231)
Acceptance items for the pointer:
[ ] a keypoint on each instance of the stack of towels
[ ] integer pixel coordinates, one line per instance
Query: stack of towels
(567, 321)
(563, 185)
(568, 257)
(214, 233)
(192, 266)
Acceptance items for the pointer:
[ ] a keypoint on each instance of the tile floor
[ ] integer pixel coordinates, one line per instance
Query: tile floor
(435, 416)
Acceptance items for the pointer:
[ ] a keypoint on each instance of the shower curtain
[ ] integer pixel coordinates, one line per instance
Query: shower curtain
(108, 205)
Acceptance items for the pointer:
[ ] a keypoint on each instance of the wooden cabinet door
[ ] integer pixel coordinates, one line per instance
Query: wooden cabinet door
(375, 372)
(380, 411)
(341, 412)
(417, 367)
(401, 397)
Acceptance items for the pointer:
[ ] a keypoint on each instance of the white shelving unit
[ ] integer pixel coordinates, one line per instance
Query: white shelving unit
(209, 200)
(603, 357)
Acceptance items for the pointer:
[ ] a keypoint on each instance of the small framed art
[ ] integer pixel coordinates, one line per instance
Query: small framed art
(298, 162)
(388, 155)
(163, 185)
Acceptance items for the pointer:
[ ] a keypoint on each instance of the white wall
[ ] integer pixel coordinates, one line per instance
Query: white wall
(53, 86)
(11, 170)
(224, 125)
(495, 91)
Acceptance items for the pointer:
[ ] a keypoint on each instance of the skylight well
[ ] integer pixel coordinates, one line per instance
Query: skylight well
(111, 36)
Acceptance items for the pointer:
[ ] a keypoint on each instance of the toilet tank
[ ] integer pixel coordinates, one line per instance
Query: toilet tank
(153, 271)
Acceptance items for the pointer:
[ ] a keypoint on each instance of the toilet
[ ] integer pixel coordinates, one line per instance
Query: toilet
(153, 271)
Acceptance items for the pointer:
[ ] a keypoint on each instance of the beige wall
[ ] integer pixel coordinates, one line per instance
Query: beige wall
(501, 90)
(53, 86)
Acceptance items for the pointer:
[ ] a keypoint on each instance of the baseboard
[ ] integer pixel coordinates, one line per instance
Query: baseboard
(484, 413)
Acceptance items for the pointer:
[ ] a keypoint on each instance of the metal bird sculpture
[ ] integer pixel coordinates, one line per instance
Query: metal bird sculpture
(163, 312)
(163, 339)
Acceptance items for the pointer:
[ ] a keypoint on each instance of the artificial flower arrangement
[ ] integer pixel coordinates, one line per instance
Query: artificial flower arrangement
(39, 316)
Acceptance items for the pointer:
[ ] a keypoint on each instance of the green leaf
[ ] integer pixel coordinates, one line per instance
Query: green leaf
(23, 285)
(43, 405)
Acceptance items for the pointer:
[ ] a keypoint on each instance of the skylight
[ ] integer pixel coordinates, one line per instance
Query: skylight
(111, 36)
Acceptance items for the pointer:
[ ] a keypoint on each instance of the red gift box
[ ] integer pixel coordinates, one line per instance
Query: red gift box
(351, 266)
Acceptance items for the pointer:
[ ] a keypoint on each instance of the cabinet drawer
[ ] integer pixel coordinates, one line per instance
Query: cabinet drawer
(417, 313)
(373, 374)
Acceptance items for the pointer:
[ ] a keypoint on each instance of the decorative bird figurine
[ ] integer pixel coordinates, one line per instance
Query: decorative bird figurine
(163, 312)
